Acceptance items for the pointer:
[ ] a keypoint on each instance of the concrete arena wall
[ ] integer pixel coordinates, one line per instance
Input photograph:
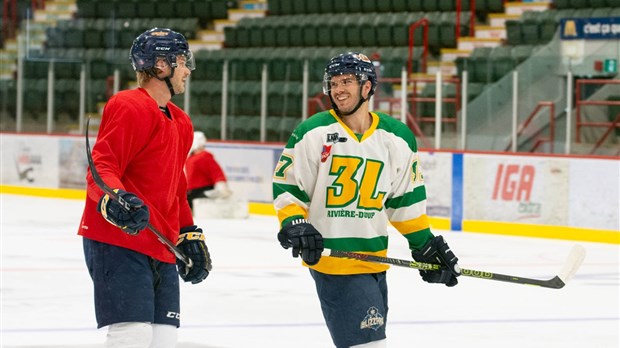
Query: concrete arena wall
(561, 197)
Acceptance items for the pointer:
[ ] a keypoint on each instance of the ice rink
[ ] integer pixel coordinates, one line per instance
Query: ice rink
(259, 296)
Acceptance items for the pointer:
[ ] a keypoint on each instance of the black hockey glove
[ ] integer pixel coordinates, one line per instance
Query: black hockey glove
(304, 239)
(132, 216)
(437, 251)
(192, 244)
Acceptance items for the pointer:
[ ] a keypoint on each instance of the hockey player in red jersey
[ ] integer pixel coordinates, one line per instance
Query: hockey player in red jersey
(205, 177)
(140, 152)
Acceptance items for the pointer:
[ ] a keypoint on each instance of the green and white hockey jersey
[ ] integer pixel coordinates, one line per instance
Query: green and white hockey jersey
(351, 185)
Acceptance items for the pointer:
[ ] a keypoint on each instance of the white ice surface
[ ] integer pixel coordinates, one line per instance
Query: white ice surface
(259, 296)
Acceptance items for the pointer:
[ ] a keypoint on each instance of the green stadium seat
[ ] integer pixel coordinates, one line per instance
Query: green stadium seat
(213, 125)
(244, 26)
(383, 28)
(579, 3)
(435, 22)
(338, 29)
(86, 9)
(295, 29)
(447, 29)
(449, 5)
(399, 5)
(273, 7)
(430, 5)
(341, 6)
(513, 32)
(213, 100)
(125, 9)
(521, 53)
(165, 9)
(310, 30)
(400, 28)
(231, 37)
(326, 6)
(286, 7)
(614, 4)
(282, 32)
(269, 31)
(219, 8)
(104, 9)
(312, 6)
(530, 27)
(368, 31)
(384, 6)
(501, 61)
(184, 8)
(547, 26)
(257, 31)
(202, 10)
(352, 28)
(561, 4)
(300, 6)
(481, 71)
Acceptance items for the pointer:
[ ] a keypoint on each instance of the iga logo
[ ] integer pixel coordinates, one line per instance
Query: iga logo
(514, 183)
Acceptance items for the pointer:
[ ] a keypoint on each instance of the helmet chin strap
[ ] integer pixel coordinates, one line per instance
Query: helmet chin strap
(167, 81)
(359, 104)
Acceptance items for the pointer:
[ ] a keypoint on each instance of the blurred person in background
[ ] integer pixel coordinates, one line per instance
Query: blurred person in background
(205, 177)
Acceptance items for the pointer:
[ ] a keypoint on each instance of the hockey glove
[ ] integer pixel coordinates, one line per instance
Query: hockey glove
(192, 244)
(437, 251)
(304, 239)
(130, 214)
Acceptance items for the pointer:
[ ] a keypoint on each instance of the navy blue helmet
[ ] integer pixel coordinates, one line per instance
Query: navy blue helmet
(159, 43)
(350, 63)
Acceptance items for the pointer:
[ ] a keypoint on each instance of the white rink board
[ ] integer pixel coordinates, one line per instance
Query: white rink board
(593, 183)
(530, 189)
(437, 172)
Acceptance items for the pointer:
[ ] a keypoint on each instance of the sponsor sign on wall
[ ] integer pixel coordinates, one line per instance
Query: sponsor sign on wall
(516, 189)
(601, 28)
(249, 170)
(29, 161)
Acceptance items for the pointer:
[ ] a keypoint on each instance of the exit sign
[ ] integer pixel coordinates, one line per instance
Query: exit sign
(610, 66)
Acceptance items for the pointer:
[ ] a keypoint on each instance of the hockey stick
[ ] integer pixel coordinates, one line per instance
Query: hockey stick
(108, 190)
(574, 260)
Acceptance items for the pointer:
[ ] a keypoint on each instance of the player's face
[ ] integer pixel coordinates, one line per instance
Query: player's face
(181, 73)
(345, 91)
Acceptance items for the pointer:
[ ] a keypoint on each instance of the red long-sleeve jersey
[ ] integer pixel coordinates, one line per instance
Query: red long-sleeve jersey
(140, 150)
(202, 170)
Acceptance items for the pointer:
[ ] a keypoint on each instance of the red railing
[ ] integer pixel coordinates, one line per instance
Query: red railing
(472, 18)
(539, 140)
(412, 28)
(579, 104)
(415, 99)
(10, 18)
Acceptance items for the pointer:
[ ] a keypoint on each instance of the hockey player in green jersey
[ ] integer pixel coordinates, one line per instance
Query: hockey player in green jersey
(343, 175)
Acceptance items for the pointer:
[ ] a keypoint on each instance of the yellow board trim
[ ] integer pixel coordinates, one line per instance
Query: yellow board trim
(490, 227)
(43, 192)
(543, 231)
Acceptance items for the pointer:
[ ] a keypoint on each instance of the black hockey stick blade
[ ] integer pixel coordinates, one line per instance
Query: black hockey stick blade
(572, 264)
(110, 192)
